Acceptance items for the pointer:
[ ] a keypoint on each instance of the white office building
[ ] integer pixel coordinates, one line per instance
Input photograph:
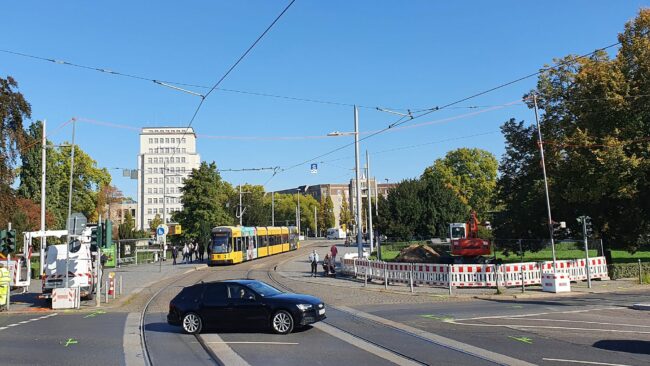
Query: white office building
(160, 147)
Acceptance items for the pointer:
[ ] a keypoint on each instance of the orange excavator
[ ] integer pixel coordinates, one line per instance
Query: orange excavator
(465, 241)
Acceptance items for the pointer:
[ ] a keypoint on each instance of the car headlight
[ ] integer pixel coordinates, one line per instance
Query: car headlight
(304, 307)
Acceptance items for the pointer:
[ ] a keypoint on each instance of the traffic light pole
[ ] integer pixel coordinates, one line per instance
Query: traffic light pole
(8, 268)
(584, 235)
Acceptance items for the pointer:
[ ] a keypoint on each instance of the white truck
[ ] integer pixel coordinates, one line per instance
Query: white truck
(81, 264)
(335, 233)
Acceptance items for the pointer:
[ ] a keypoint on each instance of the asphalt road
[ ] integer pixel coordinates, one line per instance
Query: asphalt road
(593, 329)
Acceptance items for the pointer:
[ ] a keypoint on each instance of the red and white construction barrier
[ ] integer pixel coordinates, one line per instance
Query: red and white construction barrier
(473, 275)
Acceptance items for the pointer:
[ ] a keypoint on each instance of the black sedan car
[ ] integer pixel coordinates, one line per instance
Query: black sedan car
(242, 304)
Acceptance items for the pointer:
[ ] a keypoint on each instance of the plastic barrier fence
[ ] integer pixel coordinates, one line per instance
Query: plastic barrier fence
(472, 275)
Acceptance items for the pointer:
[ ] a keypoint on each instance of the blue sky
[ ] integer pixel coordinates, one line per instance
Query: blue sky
(393, 54)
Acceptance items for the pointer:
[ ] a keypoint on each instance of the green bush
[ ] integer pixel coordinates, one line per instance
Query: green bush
(627, 270)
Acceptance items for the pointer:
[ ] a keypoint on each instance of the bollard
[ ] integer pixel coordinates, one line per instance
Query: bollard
(120, 285)
(365, 276)
(450, 269)
(106, 293)
(411, 277)
(385, 275)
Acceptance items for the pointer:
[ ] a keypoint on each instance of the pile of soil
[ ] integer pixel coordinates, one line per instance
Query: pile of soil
(418, 253)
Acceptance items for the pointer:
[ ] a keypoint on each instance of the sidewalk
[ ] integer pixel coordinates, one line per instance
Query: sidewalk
(298, 269)
(134, 279)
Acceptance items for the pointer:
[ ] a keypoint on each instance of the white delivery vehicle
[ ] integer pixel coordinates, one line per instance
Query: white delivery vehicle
(82, 273)
(335, 233)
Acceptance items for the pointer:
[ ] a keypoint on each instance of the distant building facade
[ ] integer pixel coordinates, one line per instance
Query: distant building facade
(175, 148)
(341, 191)
(118, 211)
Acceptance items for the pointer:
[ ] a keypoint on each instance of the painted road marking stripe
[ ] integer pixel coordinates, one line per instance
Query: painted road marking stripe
(583, 362)
(27, 321)
(581, 321)
(225, 354)
(538, 314)
(437, 339)
(241, 342)
(516, 326)
(364, 345)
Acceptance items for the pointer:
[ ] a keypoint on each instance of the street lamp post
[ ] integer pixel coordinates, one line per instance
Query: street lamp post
(298, 217)
(357, 178)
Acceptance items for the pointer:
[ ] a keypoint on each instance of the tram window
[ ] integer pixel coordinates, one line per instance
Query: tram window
(285, 238)
(238, 244)
(264, 241)
(271, 239)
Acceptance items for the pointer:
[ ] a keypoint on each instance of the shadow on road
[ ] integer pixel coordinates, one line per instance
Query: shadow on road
(626, 345)
(162, 327)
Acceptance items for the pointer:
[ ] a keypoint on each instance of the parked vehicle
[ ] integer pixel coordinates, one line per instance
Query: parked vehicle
(82, 271)
(336, 233)
(242, 304)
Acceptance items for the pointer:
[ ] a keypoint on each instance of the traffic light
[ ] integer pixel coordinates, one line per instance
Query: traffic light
(107, 234)
(11, 241)
(590, 229)
(3, 240)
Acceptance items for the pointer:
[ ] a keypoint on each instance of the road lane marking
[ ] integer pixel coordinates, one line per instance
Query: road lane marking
(522, 339)
(538, 314)
(583, 362)
(226, 355)
(251, 342)
(516, 326)
(437, 339)
(364, 345)
(580, 321)
(70, 341)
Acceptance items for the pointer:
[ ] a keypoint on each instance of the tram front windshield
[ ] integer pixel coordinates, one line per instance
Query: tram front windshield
(221, 244)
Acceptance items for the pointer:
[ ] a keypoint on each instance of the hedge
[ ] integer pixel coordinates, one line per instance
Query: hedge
(627, 270)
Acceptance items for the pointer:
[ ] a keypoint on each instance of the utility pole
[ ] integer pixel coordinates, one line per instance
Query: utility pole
(369, 202)
(71, 170)
(548, 201)
(272, 208)
(164, 244)
(298, 218)
(357, 183)
(241, 213)
(43, 177)
(315, 223)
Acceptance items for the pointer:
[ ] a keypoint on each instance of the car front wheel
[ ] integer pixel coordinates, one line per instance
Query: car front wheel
(282, 322)
(192, 323)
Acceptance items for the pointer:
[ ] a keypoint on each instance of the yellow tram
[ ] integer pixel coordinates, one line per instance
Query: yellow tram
(236, 244)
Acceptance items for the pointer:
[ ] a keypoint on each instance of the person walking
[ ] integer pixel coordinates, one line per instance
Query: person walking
(191, 252)
(186, 253)
(174, 254)
(313, 259)
(334, 252)
(201, 252)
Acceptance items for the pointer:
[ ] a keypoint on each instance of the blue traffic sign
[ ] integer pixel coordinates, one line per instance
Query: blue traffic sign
(160, 231)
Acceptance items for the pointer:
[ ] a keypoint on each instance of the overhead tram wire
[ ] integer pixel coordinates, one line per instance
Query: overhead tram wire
(402, 120)
(250, 48)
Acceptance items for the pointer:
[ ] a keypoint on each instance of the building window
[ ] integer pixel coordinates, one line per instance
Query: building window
(183, 159)
(155, 140)
(149, 212)
(149, 190)
(173, 140)
(178, 160)
(183, 140)
(149, 160)
(150, 151)
(149, 200)
(150, 140)
(149, 180)
(149, 222)
(183, 150)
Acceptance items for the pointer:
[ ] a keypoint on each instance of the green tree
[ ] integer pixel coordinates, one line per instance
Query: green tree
(257, 208)
(472, 174)
(326, 217)
(155, 222)
(126, 230)
(595, 120)
(204, 197)
(86, 183)
(345, 216)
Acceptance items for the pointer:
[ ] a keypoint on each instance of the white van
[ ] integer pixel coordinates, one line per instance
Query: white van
(81, 269)
(335, 233)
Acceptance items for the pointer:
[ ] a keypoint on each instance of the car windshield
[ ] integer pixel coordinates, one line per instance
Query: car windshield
(263, 289)
(220, 244)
